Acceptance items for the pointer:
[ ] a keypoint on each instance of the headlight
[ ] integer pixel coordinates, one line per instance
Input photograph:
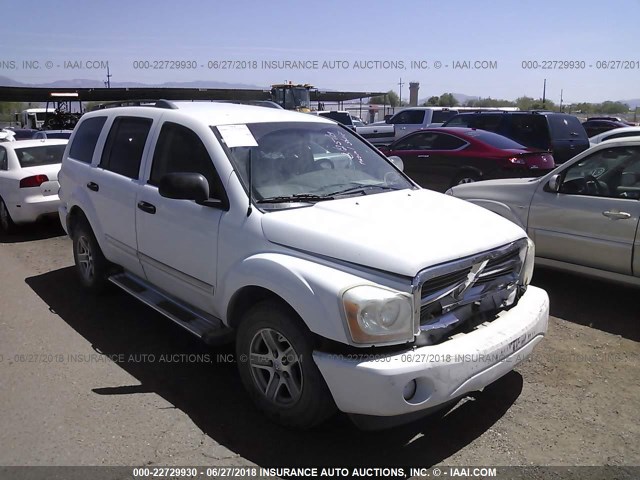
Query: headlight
(449, 192)
(378, 315)
(527, 265)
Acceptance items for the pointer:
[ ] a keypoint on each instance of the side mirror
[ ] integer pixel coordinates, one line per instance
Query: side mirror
(184, 186)
(397, 161)
(554, 183)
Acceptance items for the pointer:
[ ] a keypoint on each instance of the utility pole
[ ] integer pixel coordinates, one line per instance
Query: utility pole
(561, 90)
(401, 84)
(108, 82)
(544, 93)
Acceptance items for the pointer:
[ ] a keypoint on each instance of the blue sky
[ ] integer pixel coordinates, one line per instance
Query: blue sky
(504, 32)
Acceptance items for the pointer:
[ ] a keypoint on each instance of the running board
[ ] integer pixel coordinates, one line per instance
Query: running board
(201, 324)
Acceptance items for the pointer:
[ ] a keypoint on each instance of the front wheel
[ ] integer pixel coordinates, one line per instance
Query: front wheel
(463, 178)
(91, 264)
(275, 362)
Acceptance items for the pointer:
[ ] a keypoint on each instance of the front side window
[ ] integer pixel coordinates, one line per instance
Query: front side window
(3, 159)
(307, 162)
(123, 151)
(419, 141)
(612, 172)
(84, 143)
(180, 149)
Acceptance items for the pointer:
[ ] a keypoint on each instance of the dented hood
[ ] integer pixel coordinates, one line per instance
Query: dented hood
(401, 232)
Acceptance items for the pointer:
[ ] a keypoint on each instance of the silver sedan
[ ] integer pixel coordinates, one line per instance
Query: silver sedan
(582, 216)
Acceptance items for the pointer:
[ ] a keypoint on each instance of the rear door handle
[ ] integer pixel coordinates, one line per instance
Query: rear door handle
(423, 156)
(147, 207)
(617, 215)
(93, 186)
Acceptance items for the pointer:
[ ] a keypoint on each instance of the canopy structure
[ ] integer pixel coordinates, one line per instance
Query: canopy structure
(38, 94)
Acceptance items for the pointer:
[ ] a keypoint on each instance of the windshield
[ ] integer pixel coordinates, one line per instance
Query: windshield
(41, 155)
(301, 97)
(308, 162)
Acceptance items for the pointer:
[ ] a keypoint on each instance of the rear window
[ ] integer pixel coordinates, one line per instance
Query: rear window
(341, 117)
(495, 140)
(622, 135)
(566, 126)
(40, 155)
(441, 116)
(59, 135)
(530, 130)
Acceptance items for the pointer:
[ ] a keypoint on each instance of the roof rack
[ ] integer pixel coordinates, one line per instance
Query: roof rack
(137, 103)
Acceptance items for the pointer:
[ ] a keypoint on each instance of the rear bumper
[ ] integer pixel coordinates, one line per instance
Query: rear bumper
(377, 385)
(31, 208)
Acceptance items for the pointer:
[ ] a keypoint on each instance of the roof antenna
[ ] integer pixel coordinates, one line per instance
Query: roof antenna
(250, 179)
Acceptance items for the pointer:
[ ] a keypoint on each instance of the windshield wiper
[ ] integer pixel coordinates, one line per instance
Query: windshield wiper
(362, 189)
(298, 197)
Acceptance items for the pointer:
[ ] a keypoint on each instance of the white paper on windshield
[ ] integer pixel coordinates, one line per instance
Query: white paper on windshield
(237, 136)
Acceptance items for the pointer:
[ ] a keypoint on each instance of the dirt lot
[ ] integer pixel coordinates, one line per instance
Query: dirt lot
(165, 399)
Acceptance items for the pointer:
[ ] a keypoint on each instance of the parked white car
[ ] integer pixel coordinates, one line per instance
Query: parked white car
(622, 132)
(344, 284)
(583, 216)
(29, 180)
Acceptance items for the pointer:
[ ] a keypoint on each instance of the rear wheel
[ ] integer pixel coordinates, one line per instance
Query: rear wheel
(90, 262)
(6, 223)
(274, 352)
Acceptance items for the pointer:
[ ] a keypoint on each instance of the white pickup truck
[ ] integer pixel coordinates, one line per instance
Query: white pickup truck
(373, 133)
(409, 120)
(344, 285)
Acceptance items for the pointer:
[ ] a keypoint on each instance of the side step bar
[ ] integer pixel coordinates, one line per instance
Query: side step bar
(201, 324)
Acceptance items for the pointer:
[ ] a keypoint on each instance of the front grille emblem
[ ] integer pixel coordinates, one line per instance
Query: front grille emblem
(466, 284)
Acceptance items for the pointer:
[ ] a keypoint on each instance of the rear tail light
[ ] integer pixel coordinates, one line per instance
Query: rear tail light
(517, 161)
(34, 181)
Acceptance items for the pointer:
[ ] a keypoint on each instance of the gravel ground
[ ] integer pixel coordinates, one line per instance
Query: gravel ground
(165, 399)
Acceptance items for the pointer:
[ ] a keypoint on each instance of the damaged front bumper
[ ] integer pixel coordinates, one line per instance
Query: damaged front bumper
(425, 377)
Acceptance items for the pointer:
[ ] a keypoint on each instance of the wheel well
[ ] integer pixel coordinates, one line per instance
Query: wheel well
(247, 297)
(75, 215)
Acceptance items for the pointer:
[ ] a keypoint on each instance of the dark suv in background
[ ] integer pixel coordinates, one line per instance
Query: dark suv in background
(558, 132)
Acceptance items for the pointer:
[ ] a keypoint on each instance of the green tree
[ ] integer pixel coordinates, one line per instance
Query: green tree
(489, 102)
(8, 111)
(447, 100)
(528, 103)
(610, 107)
(432, 101)
(390, 98)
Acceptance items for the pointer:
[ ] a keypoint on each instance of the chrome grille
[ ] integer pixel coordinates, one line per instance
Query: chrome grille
(490, 275)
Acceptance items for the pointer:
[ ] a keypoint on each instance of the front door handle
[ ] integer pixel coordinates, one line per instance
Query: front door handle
(147, 207)
(616, 215)
(93, 186)
(423, 156)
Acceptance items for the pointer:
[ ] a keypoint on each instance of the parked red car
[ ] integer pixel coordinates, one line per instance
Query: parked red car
(439, 158)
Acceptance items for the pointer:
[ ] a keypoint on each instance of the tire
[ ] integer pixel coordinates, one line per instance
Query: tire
(273, 345)
(6, 223)
(91, 264)
(466, 177)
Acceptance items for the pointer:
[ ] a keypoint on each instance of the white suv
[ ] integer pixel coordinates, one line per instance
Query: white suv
(343, 283)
